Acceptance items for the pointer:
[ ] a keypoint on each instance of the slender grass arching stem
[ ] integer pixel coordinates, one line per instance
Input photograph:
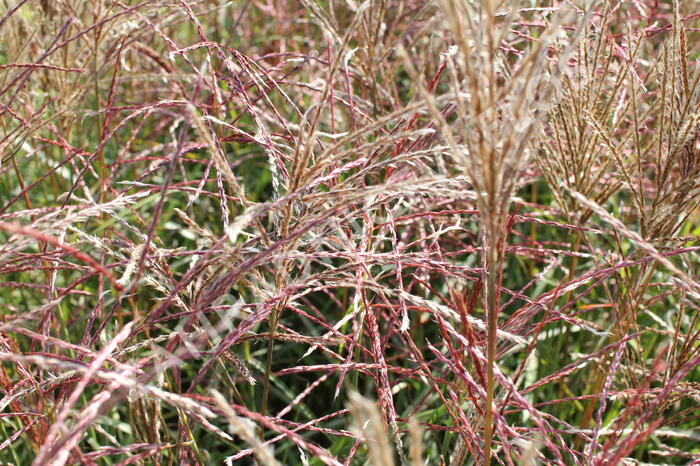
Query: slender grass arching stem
(274, 320)
(492, 307)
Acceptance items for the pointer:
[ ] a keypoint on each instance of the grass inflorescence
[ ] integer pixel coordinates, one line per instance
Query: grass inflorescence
(381, 232)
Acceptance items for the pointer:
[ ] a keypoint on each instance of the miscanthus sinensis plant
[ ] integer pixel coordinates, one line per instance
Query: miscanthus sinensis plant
(381, 232)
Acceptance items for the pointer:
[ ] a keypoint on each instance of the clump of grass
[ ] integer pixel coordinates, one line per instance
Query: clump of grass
(389, 232)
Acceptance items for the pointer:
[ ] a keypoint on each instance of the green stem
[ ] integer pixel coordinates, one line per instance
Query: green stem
(274, 320)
